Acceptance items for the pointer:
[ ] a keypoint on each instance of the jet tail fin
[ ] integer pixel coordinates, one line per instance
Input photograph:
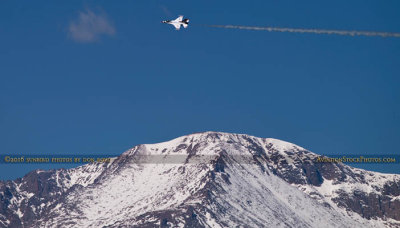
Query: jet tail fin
(185, 23)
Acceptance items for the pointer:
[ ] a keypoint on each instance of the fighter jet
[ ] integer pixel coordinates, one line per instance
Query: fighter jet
(178, 22)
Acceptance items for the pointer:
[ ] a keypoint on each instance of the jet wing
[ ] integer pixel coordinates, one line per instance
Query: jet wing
(177, 26)
(179, 19)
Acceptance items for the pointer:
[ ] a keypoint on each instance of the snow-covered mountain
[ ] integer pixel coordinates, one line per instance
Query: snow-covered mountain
(207, 179)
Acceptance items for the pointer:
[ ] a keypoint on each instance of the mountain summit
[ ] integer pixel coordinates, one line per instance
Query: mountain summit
(206, 179)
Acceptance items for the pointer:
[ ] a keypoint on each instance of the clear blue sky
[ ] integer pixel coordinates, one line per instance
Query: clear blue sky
(139, 81)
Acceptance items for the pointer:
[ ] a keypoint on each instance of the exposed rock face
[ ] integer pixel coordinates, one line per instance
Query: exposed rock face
(204, 180)
(380, 200)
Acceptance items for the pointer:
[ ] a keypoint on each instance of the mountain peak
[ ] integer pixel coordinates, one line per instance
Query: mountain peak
(212, 137)
(209, 179)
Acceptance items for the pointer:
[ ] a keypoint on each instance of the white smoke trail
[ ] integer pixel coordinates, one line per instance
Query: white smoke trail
(315, 31)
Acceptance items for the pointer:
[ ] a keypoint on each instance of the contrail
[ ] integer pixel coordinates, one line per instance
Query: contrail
(315, 31)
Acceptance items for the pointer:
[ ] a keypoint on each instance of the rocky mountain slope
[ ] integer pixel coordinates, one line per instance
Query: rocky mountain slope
(207, 179)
